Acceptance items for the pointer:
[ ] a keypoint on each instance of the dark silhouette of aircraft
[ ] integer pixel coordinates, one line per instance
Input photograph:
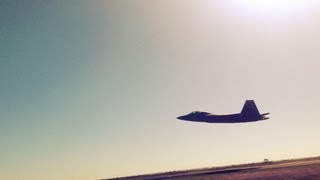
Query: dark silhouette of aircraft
(249, 113)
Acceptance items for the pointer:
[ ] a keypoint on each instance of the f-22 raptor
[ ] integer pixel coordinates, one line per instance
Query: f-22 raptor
(249, 113)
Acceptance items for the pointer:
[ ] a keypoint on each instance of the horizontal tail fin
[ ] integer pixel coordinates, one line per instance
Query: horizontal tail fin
(264, 116)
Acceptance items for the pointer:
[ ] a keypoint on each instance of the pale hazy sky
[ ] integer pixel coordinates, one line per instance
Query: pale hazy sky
(92, 89)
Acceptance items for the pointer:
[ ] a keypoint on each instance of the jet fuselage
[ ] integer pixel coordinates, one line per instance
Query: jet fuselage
(211, 118)
(249, 113)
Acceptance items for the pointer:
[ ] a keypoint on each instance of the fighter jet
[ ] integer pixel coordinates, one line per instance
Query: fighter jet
(249, 113)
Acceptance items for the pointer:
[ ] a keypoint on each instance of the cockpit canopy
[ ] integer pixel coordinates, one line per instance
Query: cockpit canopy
(198, 113)
(194, 116)
(195, 112)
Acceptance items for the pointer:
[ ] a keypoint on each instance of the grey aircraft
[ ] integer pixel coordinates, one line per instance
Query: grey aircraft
(249, 113)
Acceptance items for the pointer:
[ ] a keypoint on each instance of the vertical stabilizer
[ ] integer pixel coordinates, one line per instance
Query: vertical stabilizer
(250, 109)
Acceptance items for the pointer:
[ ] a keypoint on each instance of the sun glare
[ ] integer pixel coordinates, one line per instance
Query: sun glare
(273, 8)
(275, 4)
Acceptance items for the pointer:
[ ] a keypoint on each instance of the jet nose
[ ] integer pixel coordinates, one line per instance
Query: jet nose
(181, 118)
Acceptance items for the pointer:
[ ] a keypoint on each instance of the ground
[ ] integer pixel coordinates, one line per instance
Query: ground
(307, 168)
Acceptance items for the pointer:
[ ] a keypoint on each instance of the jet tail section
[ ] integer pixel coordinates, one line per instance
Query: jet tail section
(250, 109)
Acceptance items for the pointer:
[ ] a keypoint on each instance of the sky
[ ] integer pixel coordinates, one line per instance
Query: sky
(92, 89)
